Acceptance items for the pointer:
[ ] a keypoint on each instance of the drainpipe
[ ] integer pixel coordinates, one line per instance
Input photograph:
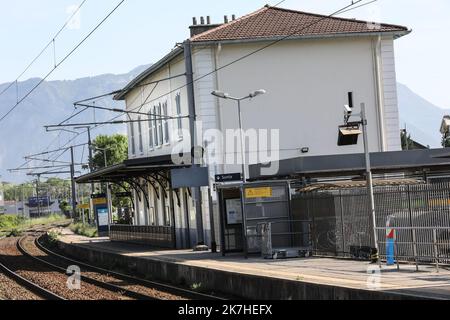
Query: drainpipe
(379, 97)
(197, 194)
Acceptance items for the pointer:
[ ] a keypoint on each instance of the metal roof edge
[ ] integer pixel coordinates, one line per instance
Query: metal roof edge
(149, 71)
(395, 34)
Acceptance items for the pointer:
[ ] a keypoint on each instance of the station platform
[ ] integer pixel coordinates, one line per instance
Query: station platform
(257, 278)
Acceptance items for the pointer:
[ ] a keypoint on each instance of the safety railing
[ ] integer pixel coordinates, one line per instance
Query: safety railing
(154, 236)
(420, 245)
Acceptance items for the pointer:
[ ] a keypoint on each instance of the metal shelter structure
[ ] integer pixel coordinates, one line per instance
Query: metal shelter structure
(329, 196)
(148, 182)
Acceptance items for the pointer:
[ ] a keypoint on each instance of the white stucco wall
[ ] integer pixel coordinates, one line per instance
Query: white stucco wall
(390, 98)
(307, 84)
(159, 94)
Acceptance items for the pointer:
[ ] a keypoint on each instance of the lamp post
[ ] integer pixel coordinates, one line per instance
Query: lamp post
(369, 176)
(226, 96)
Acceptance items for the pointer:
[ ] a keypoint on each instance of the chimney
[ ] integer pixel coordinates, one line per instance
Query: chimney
(202, 27)
(225, 19)
(233, 17)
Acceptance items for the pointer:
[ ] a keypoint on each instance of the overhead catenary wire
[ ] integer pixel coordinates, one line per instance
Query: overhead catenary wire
(139, 108)
(57, 150)
(52, 41)
(60, 62)
(344, 9)
(272, 43)
(145, 84)
(106, 122)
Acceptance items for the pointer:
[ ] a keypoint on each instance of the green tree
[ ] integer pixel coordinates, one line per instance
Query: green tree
(446, 142)
(407, 142)
(116, 150)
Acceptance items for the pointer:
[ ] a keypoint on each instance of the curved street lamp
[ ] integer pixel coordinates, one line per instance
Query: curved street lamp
(223, 95)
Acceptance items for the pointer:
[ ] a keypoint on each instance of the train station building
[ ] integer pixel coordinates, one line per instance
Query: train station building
(184, 167)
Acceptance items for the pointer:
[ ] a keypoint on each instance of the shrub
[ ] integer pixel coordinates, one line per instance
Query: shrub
(15, 233)
(53, 236)
(10, 222)
(84, 230)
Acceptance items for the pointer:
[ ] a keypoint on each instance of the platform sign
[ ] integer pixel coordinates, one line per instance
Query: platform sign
(258, 193)
(231, 177)
(84, 206)
(99, 201)
(189, 177)
(123, 195)
(102, 218)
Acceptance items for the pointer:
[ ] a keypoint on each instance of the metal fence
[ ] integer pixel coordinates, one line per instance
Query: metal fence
(157, 237)
(418, 245)
(341, 219)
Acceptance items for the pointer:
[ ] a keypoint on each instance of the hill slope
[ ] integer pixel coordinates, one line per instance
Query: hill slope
(422, 118)
(23, 133)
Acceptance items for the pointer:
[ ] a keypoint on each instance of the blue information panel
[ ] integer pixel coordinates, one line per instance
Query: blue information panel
(102, 214)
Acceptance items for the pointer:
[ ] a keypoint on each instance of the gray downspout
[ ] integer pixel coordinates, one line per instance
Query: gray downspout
(196, 192)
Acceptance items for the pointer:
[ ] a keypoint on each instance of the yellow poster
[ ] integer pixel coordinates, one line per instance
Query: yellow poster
(84, 206)
(254, 193)
(99, 201)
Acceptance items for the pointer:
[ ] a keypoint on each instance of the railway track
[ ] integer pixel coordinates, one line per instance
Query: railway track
(128, 282)
(31, 271)
(44, 281)
(18, 288)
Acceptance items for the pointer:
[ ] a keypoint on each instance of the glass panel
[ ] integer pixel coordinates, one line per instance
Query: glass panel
(179, 120)
(166, 124)
(133, 147)
(141, 144)
(150, 130)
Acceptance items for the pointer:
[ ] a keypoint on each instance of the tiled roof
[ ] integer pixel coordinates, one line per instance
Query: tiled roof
(270, 22)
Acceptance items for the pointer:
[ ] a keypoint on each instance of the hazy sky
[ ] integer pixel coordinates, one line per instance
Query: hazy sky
(142, 31)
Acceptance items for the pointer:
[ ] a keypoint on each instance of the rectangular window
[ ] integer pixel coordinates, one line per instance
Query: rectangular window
(179, 119)
(133, 146)
(166, 123)
(150, 130)
(155, 127)
(160, 126)
(141, 144)
(165, 207)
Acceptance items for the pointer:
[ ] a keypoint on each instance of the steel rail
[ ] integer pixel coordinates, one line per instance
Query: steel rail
(95, 282)
(147, 283)
(32, 287)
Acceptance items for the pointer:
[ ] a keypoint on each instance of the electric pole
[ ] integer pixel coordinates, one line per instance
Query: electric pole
(72, 176)
(91, 165)
(37, 195)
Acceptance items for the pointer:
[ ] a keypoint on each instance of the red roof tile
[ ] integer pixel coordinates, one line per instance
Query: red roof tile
(270, 22)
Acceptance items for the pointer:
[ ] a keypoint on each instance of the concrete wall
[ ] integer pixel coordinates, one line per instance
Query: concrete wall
(233, 284)
(307, 84)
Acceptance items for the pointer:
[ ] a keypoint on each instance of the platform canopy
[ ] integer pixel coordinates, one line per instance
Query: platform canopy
(434, 160)
(130, 169)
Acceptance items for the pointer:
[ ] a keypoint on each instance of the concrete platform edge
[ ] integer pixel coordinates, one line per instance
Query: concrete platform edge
(230, 283)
